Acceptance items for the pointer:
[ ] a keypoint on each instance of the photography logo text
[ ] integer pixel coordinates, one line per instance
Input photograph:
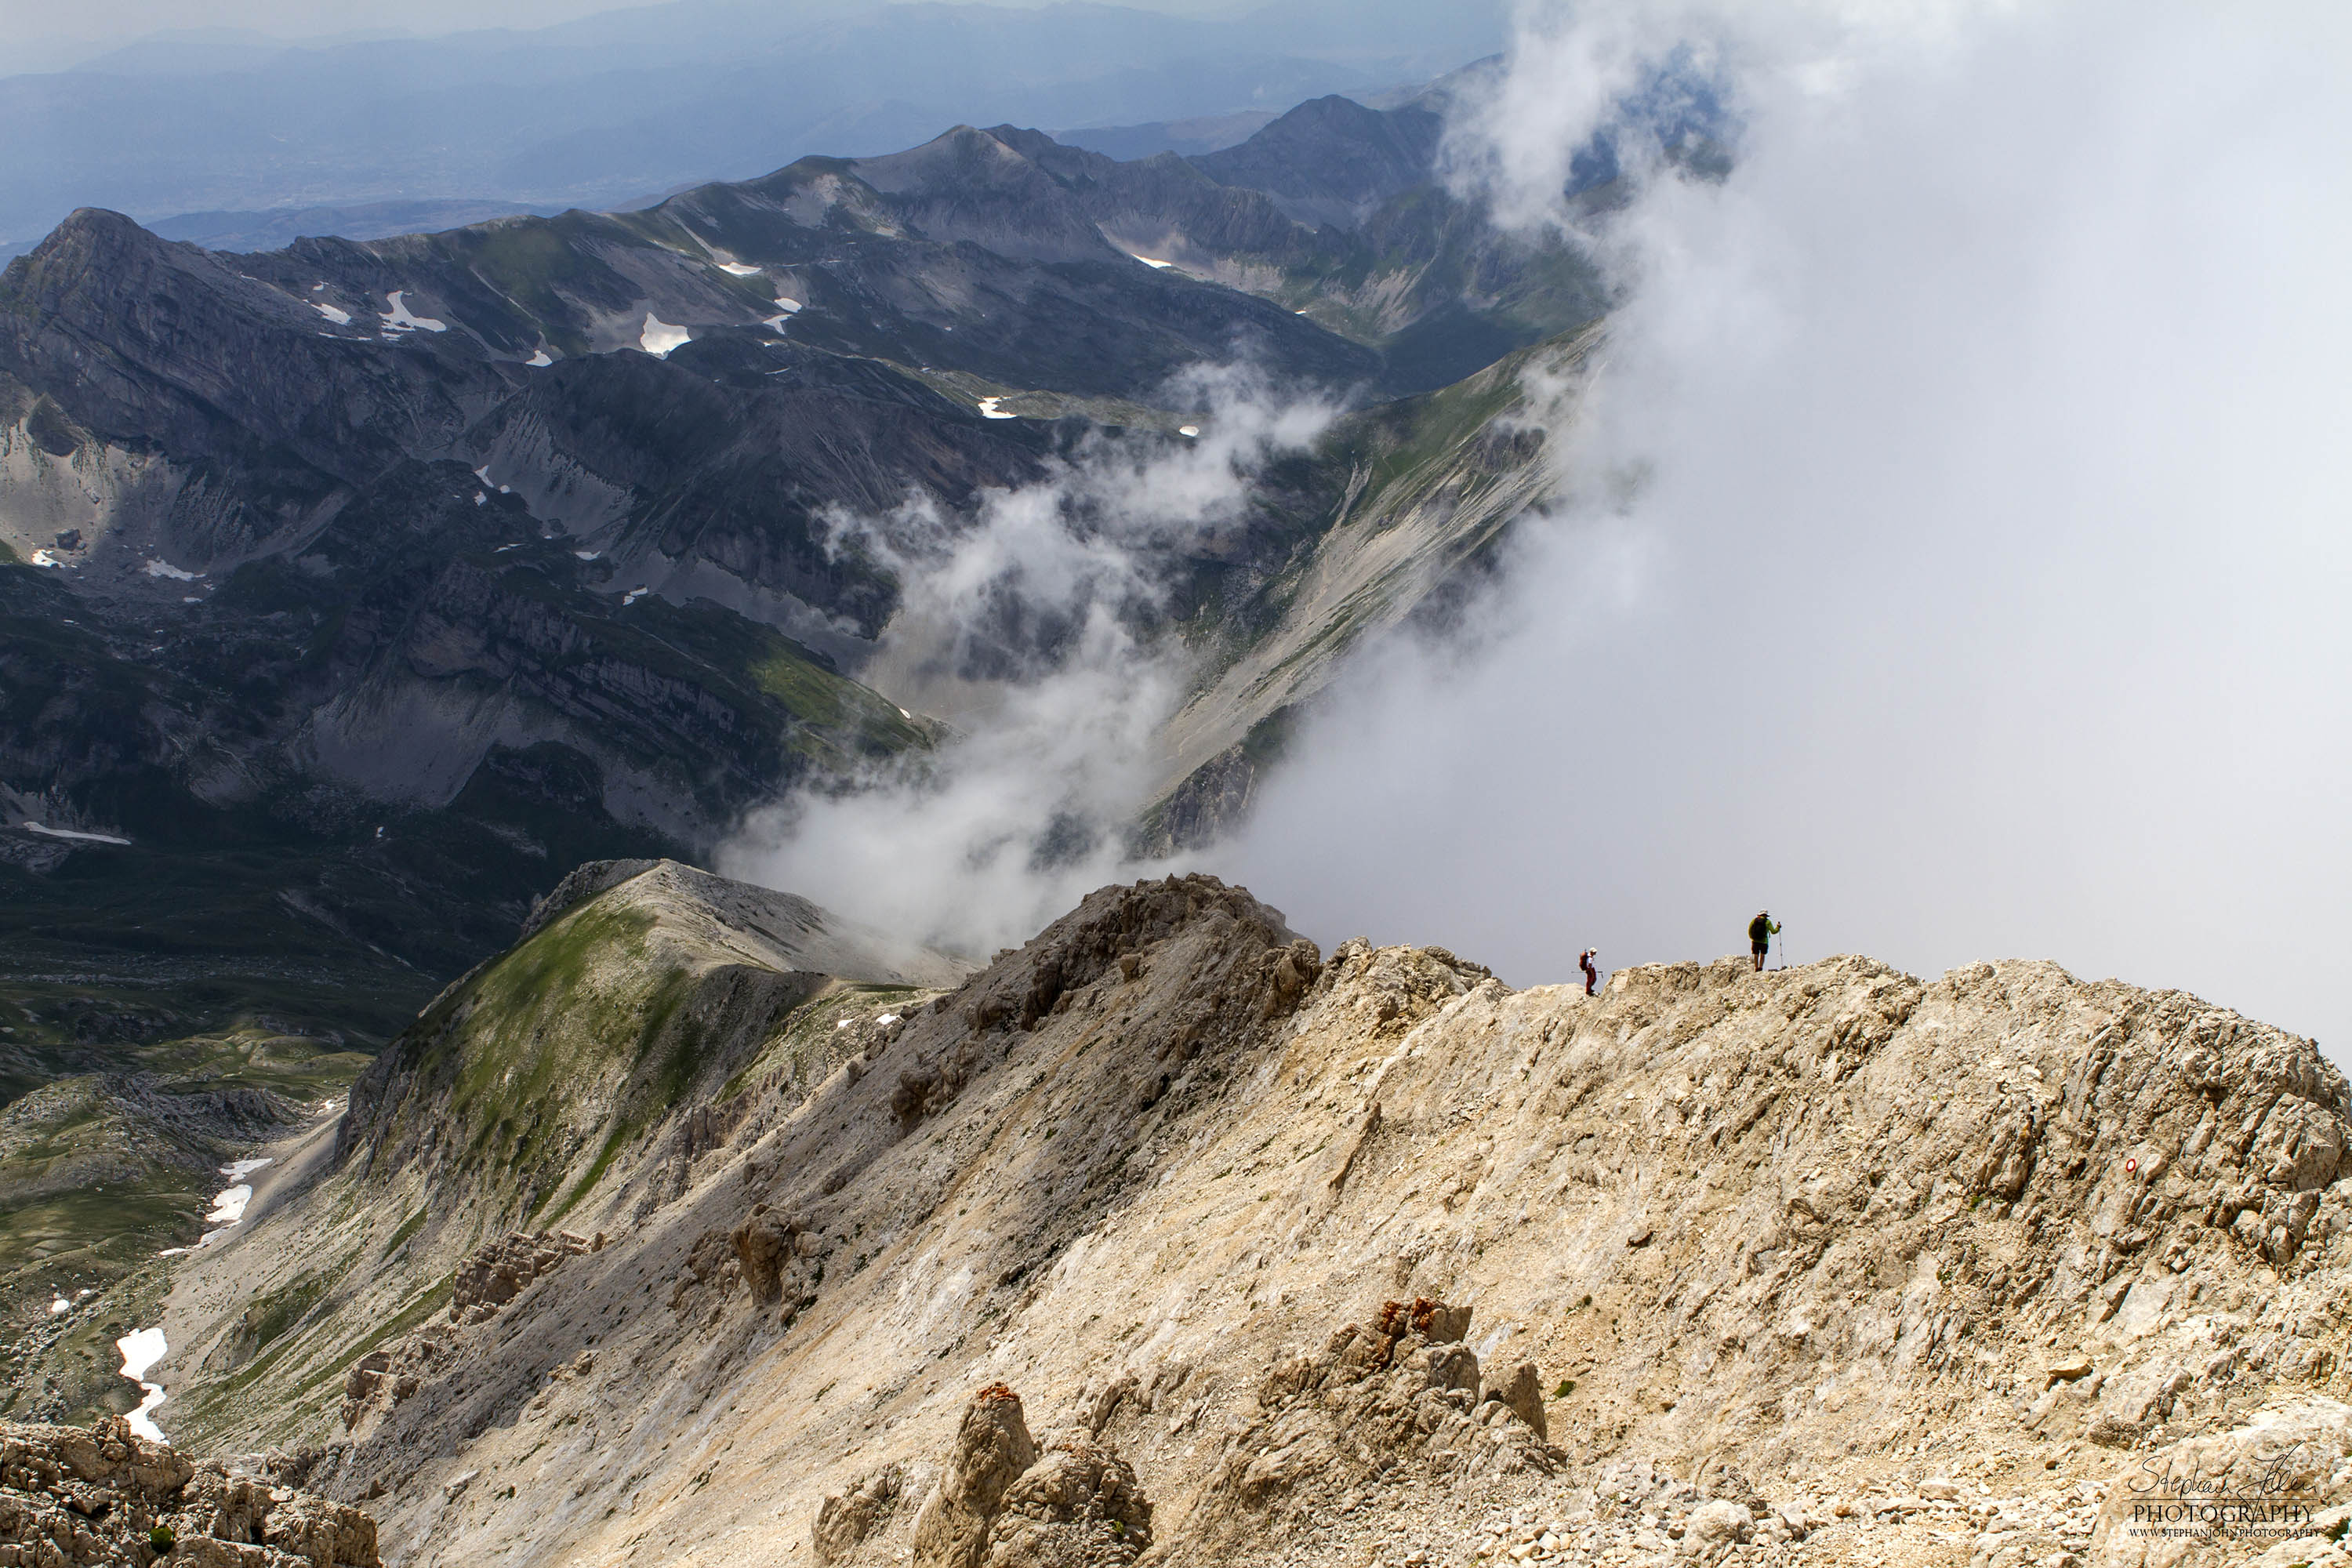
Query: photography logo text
(2252, 1497)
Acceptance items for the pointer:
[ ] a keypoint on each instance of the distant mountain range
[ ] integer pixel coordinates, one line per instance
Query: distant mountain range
(632, 103)
(365, 585)
(274, 228)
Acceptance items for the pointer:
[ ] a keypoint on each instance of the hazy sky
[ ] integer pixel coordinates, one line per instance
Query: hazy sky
(107, 22)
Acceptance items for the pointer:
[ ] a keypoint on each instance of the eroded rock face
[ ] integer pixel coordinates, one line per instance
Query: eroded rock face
(504, 1269)
(846, 1518)
(1004, 1503)
(383, 1378)
(1374, 1402)
(780, 1259)
(1522, 1390)
(993, 1447)
(1078, 1507)
(105, 1496)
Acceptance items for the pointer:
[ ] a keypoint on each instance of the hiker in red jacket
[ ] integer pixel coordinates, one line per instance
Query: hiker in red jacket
(1592, 974)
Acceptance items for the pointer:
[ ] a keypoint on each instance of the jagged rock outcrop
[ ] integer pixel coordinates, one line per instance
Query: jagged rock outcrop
(381, 1379)
(847, 1517)
(992, 1448)
(107, 1496)
(1521, 1390)
(781, 1261)
(1002, 1501)
(507, 1267)
(1078, 1507)
(1403, 1392)
(776, 1259)
(1806, 1266)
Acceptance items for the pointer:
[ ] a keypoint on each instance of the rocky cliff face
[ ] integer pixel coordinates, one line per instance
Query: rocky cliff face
(1166, 1234)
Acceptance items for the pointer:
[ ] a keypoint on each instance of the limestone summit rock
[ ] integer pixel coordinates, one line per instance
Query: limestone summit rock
(993, 1447)
(1002, 1501)
(109, 1497)
(1328, 1258)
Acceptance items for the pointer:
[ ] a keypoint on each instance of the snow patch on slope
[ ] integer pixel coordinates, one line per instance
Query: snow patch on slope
(69, 833)
(399, 319)
(142, 1350)
(659, 337)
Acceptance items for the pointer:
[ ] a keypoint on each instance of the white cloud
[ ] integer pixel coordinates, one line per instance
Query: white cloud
(1029, 627)
(1957, 549)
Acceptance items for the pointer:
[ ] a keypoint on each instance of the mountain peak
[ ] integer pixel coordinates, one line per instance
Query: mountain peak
(1386, 1225)
(1331, 160)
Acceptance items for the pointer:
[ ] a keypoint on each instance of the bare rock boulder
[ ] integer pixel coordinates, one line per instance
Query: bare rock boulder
(846, 1519)
(1720, 1521)
(1522, 1390)
(993, 1447)
(1078, 1507)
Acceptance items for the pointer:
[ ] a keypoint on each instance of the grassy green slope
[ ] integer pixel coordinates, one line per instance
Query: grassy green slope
(521, 1085)
(549, 1087)
(101, 1173)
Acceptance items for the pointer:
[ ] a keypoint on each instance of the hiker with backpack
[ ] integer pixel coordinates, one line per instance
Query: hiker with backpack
(1592, 974)
(1761, 932)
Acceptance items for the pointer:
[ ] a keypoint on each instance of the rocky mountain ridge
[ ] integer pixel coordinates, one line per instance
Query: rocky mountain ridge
(1816, 1265)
